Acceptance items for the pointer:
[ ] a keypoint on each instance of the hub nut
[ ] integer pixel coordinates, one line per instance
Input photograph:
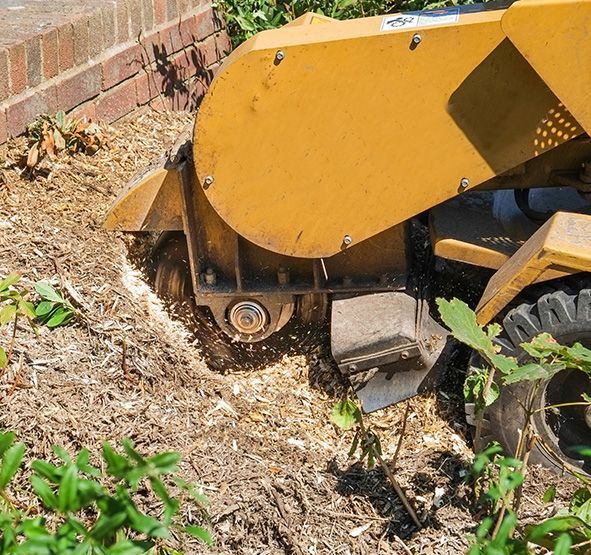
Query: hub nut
(248, 317)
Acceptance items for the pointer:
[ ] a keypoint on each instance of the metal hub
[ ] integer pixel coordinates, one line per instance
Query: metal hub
(248, 317)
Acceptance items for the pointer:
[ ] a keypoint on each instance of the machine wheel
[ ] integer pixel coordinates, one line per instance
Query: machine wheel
(172, 282)
(566, 315)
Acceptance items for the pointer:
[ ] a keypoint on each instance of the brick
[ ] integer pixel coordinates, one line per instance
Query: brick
(117, 102)
(172, 9)
(184, 6)
(86, 110)
(24, 110)
(95, 34)
(3, 128)
(17, 58)
(34, 62)
(147, 15)
(122, 21)
(208, 51)
(223, 44)
(50, 54)
(145, 88)
(151, 48)
(109, 18)
(124, 63)
(159, 11)
(79, 86)
(203, 24)
(80, 29)
(4, 73)
(65, 37)
(171, 39)
(135, 18)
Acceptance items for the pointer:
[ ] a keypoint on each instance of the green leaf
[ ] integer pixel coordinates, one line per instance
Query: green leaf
(165, 462)
(3, 358)
(549, 494)
(117, 464)
(11, 461)
(48, 293)
(171, 506)
(7, 314)
(62, 453)
(6, 440)
(47, 471)
(533, 371)
(44, 492)
(200, 533)
(27, 309)
(345, 414)
(128, 547)
(563, 545)
(12, 279)
(554, 525)
(60, 119)
(67, 492)
(44, 308)
(60, 316)
(107, 525)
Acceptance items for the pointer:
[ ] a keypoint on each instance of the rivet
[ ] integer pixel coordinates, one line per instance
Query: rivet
(347, 240)
(416, 38)
(208, 180)
(464, 183)
(279, 55)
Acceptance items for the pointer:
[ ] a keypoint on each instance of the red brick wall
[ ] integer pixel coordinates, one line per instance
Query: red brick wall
(106, 59)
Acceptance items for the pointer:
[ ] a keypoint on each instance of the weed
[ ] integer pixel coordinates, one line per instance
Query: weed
(92, 511)
(51, 134)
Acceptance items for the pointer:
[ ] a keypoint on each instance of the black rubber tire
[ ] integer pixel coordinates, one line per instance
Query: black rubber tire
(172, 282)
(566, 315)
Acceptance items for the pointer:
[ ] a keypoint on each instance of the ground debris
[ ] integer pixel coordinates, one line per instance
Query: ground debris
(259, 441)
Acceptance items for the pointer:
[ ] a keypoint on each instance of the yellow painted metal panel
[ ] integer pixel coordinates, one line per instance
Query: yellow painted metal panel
(562, 244)
(356, 130)
(151, 201)
(553, 35)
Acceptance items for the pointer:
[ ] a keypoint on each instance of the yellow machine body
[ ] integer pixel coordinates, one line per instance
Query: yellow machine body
(319, 147)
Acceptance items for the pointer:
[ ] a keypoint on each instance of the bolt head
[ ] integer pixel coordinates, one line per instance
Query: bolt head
(347, 240)
(279, 55)
(464, 182)
(208, 180)
(416, 38)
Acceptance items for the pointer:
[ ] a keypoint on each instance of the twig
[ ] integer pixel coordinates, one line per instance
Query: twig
(402, 544)
(386, 468)
(124, 367)
(531, 442)
(16, 377)
(405, 418)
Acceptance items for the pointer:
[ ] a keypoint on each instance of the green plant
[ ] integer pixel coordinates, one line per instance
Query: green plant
(54, 309)
(245, 18)
(346, 415)
(92, 511)
(498, 478)
(51, 134)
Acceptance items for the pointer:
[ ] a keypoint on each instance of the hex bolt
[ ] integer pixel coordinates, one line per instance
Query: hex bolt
(283, 276)
(416, 39)
(210, 276)
(464, 183)
(347, 240)
(208, 181)
(279, 55)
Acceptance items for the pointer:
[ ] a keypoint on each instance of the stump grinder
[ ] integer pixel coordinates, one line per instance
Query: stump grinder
(339, 169)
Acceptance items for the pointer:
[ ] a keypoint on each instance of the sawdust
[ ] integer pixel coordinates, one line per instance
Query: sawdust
(274, 468)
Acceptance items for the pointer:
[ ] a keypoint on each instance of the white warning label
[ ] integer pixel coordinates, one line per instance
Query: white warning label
(420, 19)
